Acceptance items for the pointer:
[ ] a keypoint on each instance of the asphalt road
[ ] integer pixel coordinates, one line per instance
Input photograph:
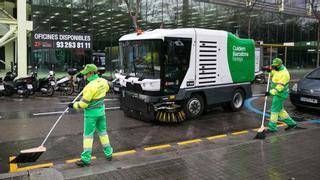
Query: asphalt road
(24, 123)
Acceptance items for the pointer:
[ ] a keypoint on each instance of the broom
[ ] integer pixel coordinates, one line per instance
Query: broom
(261, 131)
(32, 155)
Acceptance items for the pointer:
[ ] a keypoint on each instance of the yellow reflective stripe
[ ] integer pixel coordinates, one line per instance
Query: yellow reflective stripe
(104, 139)
(279, 87)
(87, 142)
(96, 106)
(83, 104)
(75, 105)
(92, 100)
(85, 101)
(274, 117)
(283, 114)
(95, 100)
(273, 92)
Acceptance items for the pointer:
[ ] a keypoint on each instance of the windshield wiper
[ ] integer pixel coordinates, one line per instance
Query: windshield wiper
(313, 78)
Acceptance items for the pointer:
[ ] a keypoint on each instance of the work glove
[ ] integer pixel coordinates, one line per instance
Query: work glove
(266, 68)
(267, 93)
(70, 105)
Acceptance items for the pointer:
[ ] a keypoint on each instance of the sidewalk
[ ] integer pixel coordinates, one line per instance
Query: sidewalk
(284, 155)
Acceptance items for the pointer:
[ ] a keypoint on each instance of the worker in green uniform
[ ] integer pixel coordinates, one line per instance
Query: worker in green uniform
(94, 114)
(279, 91)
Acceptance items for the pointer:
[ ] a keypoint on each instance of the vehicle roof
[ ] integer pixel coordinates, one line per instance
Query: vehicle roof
(161, 33)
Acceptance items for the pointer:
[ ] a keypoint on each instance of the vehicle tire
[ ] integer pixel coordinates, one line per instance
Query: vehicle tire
(26, 94)
(50, 90)
(8, 92)
(70, 90)
(194, 106)
(31, 92)
(237, 101)
(260, 79)
(79, 86)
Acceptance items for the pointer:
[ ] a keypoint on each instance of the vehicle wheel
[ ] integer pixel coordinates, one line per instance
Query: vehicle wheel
(70, 89)
(237, 101)
(8, 92)
(194, 106)
(31, 92)
(50, 91)
(79, 86)
(26, 94)
(263, 80)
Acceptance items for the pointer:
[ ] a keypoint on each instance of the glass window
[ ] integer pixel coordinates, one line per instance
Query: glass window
(176, 63)
(141, 58)
(314, 74)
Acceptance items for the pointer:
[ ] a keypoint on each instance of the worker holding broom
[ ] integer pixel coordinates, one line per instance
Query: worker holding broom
(94, 114)
(279, 91)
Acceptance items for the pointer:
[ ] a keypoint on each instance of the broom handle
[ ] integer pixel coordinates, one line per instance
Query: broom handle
(66, 110)
(265, 102)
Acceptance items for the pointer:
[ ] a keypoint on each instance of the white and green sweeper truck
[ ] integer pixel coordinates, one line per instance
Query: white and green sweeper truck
(170, 75)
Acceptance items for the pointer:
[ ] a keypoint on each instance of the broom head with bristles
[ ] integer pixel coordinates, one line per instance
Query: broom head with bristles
(29, 155)
(261, 133)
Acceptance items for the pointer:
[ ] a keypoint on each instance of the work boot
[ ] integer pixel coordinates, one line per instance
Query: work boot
(81, 163)
(290, 127)
(272, 127)
(290, 123)
(108, 152)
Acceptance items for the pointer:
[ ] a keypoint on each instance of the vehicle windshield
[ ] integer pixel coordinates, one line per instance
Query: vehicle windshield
(314, 74)
(141, 58)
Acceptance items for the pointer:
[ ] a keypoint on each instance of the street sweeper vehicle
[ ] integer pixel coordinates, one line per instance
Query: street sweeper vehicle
(171, 75)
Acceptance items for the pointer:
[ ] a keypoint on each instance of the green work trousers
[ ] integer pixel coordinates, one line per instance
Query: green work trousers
(277, 110)
(90, 125)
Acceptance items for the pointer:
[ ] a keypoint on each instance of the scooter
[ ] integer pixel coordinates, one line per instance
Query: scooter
(66, 83)
(115, 84)
(46, 85)
(259, 77)
(7, 85)
(79, 83)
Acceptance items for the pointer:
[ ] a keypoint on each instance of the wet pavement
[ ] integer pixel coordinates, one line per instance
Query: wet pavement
(25, 122)
(234, 157)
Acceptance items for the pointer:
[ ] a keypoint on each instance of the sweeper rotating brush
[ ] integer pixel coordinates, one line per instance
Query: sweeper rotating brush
(170, 113)
(168, 116)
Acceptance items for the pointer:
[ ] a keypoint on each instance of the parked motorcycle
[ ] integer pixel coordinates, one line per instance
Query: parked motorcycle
(115, 85)
(66, 83)
(259, 77)
(29, 85)
(7, 85)
(79, 83)
(46, 85)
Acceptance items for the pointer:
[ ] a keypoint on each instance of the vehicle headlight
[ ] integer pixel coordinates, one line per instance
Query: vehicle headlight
(294, 87)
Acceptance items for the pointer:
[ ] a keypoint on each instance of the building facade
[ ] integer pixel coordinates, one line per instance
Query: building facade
(105, 21)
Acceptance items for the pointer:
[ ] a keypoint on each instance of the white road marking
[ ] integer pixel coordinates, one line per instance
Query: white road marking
(59, 112)
(258, 95)
(110, 108)
(47, 113)
(104, 100)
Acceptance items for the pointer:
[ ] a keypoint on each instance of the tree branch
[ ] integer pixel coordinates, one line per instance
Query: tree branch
(137, 7)
(128, 6)
(314, 8)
